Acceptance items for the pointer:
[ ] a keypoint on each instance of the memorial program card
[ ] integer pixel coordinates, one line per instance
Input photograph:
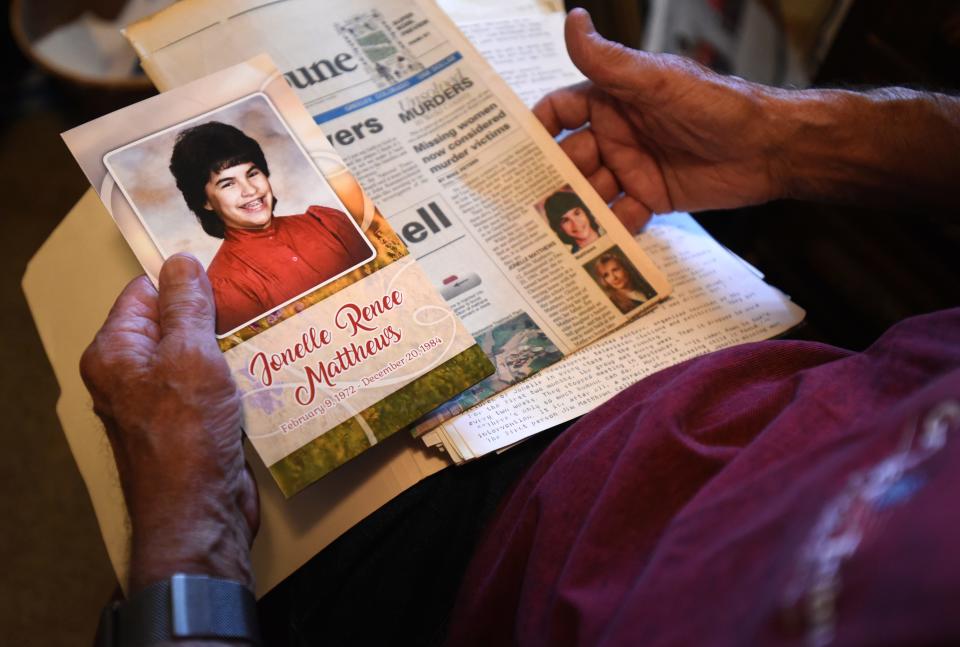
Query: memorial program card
(334, 334)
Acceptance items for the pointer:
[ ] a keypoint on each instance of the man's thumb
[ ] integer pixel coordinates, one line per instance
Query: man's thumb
(186, 300)
(610, 65)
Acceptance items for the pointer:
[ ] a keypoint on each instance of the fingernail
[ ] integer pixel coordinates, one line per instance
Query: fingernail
(182, 268)
(587, 16)
(590, 25)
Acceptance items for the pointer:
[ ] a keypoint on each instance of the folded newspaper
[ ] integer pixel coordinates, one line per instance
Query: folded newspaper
(333, 333)
(515, 238)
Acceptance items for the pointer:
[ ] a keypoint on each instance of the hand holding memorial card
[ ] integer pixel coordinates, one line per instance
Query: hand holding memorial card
(333, 333)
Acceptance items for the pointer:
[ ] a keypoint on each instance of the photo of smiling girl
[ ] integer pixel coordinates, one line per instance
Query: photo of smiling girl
(571, 220)
(265, 259)
(620, 280)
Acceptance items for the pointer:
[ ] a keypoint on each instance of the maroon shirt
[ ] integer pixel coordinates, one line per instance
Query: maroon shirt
(775, 493)
(254, 271)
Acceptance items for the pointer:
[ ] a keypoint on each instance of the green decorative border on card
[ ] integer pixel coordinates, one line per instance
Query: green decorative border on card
(348, 439)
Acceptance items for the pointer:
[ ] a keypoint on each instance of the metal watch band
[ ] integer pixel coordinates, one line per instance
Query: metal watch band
(181, 608)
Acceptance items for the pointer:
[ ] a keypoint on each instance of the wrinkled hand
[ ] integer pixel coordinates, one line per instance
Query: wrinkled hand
(660, 133)
(172, 412)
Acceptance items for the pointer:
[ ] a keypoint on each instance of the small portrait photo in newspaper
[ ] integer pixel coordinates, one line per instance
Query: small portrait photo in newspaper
(235, 188)
(570, 219)
(620, 280)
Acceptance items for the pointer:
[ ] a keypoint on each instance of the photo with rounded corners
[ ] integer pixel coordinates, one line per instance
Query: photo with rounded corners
(570, 219)
(235, 188)
(620, 280)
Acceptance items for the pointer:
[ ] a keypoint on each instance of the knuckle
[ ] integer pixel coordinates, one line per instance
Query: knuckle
(685, 68)
(92, 362)
(89, 363)
(191, 360)
(186, 350)
(189, 306)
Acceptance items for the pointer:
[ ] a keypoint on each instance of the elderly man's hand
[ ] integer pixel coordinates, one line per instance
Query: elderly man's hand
(172, 412)
(660, 133)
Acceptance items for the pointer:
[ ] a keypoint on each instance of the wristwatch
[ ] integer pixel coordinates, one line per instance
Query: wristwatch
(183, 607)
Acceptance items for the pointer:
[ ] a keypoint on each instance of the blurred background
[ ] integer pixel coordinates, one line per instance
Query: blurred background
(855, 271)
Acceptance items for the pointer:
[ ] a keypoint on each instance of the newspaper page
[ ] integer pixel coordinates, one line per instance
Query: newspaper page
(517, 241)
(529, 36)
(522, 41)
(718, 301)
